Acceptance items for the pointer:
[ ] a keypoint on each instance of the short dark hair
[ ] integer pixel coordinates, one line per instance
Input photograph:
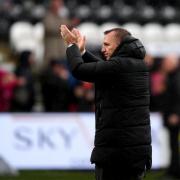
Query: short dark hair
(120, 33)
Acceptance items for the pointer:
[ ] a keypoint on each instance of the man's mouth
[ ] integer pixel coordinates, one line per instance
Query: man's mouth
(105, 55)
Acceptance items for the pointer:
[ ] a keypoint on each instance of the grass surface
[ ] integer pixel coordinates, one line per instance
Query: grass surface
(67, 175)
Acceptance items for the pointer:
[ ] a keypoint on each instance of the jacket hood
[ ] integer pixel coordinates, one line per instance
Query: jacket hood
(130, 47)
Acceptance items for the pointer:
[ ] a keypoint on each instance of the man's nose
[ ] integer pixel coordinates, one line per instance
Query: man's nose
(102, 49)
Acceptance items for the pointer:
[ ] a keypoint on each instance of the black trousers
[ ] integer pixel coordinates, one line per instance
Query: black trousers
(175, 156)
(115, 173)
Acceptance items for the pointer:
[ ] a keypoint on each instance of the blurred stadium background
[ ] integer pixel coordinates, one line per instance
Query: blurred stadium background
(47, 120)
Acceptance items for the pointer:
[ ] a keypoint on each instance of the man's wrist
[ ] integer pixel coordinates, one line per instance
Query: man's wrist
(83, 52)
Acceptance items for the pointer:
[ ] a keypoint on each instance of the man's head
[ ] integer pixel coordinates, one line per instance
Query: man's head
(56, 5)
(112, 39)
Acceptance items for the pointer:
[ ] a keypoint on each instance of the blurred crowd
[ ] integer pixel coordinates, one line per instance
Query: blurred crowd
(52, 87)
(60, 92)
(165, 98)
(52, 84)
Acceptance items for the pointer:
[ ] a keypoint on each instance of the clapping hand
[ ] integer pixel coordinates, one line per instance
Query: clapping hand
(67, 35)
(73, 37)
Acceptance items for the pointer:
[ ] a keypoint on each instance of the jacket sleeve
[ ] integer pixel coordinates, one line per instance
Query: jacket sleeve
(89, 57)
(91, 71)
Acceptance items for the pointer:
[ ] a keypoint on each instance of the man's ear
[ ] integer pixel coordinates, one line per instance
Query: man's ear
(125, 39)
(117, 49)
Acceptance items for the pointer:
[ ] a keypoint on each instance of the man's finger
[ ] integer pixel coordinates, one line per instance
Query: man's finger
(65, 30)
(84, 39)
(74, 33)
(77, 32)
(63, 36)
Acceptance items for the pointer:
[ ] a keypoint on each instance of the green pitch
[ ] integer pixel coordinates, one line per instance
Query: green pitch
(66, 175)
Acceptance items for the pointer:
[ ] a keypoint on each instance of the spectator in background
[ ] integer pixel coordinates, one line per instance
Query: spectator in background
(24, 94)
(171, 66)
(158, 84)
(7, 84)
(149, 60)
(55, 87)
(84, 97)
(165, 98)
(57, 14)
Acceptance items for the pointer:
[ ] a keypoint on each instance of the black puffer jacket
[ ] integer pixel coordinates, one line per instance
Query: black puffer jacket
(122, 103)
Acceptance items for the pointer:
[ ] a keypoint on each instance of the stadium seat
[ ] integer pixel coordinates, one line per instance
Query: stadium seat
(25, 36)
(38, 32)
(106, 26)
(92, 33)
(38, 35)
(168, 13)
(172, 32)
(4, 28)
(71, 5)
(153, 32)
(20, 31)
(38, 12)
(28, 44)
(135, 29)
(104, 13)
(124, 14)
(16, 12)
(83, 12)
(146, 14)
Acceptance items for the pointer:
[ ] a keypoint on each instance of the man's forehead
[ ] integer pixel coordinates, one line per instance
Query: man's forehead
(110, 35)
